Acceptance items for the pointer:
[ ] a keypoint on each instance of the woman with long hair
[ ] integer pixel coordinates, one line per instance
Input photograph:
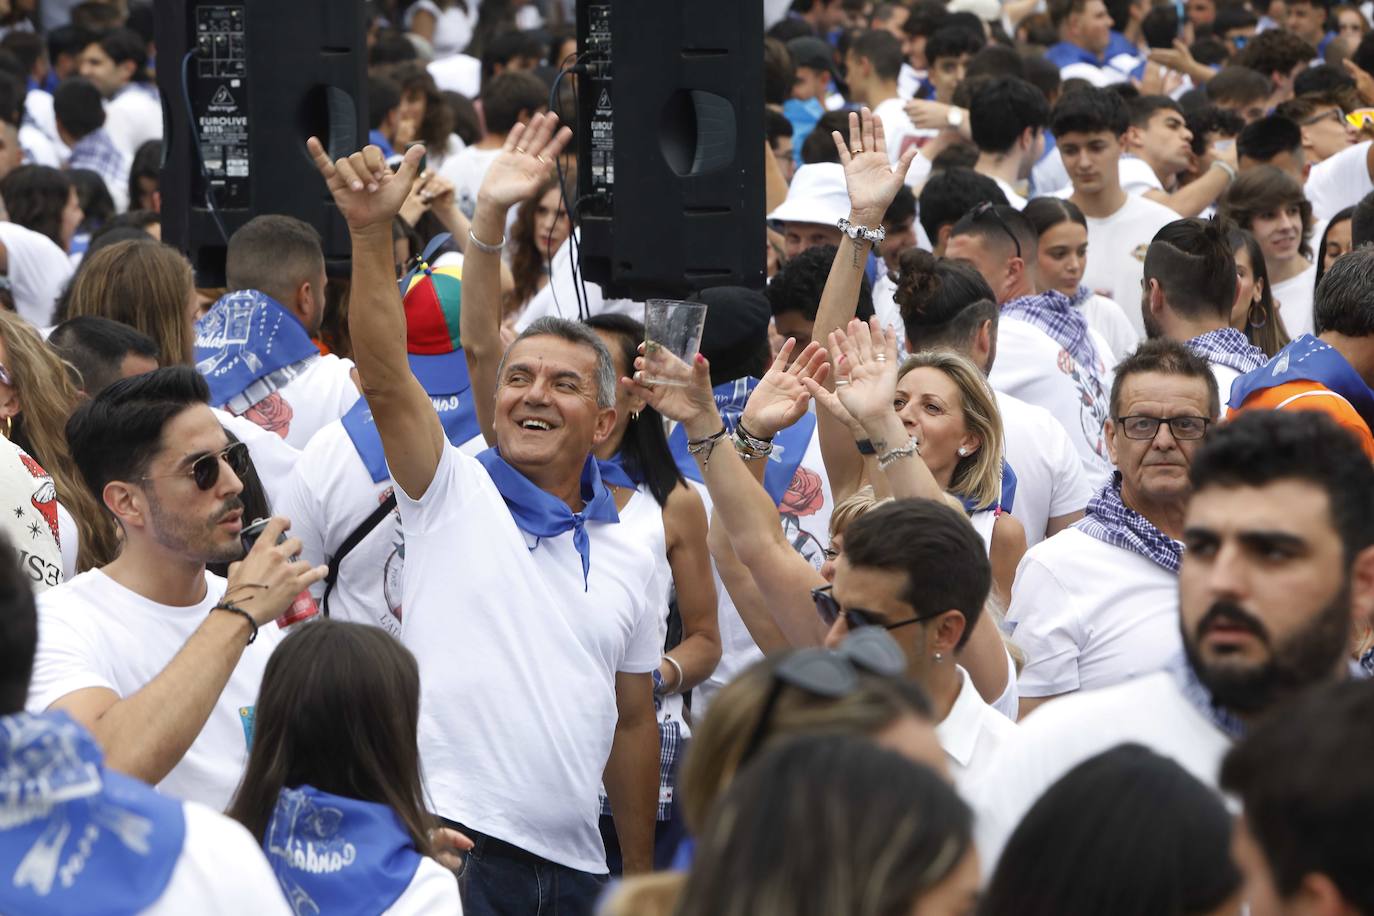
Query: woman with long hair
(1270, 205)
(334, 775)
(1254, 313)
(1061, 258)
(1168, 852)
(1335, 241)
(540, 229)
(424, 116)
(146, 285)
(37, 395)
(43, 199)
(635, 460)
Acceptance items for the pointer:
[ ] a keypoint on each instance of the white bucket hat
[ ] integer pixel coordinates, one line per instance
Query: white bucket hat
(817, 195)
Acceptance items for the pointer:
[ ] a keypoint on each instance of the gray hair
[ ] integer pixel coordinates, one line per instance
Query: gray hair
(578, 333)
(1343, 297)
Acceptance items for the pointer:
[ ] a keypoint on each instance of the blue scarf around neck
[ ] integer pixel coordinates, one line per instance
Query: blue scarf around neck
(546, 516)
(614, 473)
(1111, 521)
(338, 855)
(75, 837)
(246, 336)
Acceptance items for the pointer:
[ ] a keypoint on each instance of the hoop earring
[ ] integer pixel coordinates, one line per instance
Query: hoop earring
(9, 425)
(1250, 316)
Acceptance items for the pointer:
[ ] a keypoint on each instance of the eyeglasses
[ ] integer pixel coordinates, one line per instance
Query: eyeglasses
(987, 208)
(205, 469)
(855, 618)
(1143, 427)
(829, 673)
(1334, 114)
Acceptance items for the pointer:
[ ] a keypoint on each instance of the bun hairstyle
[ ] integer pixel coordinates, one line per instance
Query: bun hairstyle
(933, 291)
(918, 283)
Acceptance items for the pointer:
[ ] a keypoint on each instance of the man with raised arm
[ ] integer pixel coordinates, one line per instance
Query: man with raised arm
(525, 602)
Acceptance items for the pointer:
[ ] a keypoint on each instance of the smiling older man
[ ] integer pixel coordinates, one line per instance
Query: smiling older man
(1098, 603)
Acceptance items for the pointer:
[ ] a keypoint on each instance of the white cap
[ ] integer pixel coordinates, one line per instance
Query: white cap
(817, 195)
(986, 10)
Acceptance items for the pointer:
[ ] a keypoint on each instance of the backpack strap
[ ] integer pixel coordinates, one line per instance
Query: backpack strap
(353, 540)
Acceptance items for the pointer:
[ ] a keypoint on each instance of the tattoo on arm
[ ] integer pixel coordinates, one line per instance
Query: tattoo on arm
(858, 255)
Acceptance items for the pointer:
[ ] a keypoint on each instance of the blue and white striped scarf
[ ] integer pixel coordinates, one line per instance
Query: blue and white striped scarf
(1053, 313)
(1228, 347)
(1111, 521)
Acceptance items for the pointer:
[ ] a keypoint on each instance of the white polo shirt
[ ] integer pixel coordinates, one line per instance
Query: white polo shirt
(518, 661)
(1049, 476)
(1089, 614)
(1057, 737)
(971, 734)
(94, 632)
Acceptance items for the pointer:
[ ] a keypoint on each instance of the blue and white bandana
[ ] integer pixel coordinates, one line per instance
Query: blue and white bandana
(1111, 521)
(1053, 313)
(245, 338)
(1228, 347)
(75, 837)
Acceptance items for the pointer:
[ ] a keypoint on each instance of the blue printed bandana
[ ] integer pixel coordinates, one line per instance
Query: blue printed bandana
(1111, 521)
(338, 855)
(1053, 313)
(544, 515)
(75, 837)
(1308, 359)
(1228, 347)
(244, 338)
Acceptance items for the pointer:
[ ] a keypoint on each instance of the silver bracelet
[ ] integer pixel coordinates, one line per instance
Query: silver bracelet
(484, 247)
(1226, 167)
(912, 447)
(677, 688)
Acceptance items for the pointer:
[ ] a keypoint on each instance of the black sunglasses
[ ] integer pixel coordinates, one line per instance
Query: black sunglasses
(855, 618)
(987, 208)
(205, 469)
(829, 673)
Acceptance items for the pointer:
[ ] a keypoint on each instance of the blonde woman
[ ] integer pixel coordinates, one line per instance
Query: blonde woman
(37, 395)
(146, 285)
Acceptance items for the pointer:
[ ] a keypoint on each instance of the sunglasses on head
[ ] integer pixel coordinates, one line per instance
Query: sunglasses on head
(204, 471)
(988, 209)
(829, 673)
(855, 618)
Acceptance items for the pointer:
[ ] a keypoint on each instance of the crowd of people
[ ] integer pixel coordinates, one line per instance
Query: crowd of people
(1010, 552)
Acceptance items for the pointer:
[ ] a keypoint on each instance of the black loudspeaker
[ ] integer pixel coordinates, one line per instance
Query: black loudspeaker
(243, 85)
(670, 145)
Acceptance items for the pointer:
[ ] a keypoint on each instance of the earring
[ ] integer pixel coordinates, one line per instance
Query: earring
(939, 658)
(1250, 316)
(963, 451)
(9, 424)
(634, 415)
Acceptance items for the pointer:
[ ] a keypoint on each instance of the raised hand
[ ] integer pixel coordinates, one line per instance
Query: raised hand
(870, 177)
(526, 161)
(692, 403)
(367, 193)
(781, 396)
(865, 358)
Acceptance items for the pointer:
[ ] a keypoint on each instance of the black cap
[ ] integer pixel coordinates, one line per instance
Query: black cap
(736, 330)
(814, 53)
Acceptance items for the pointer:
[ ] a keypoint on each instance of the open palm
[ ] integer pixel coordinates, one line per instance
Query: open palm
(526, 161)
(365, 190)
(869, 357)
(869, 175)
(781, 397)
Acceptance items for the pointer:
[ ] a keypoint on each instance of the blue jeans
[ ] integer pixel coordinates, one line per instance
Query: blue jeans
(500, 879)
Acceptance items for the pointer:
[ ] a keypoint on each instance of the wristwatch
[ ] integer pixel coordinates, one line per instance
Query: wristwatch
(955, 118)
(862, 232)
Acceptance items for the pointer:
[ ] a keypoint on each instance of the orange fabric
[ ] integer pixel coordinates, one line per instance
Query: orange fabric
(1338, 408)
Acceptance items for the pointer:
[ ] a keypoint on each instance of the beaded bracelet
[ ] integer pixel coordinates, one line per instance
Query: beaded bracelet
(228, 606)
(706, 446)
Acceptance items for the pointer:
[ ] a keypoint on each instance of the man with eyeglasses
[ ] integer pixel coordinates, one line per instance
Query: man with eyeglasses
(1046, 353)
(1097, 604)
(1325, 131)
(159, 659)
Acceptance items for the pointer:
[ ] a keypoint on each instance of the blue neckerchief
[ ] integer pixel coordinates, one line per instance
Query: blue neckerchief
(75, 837)
(545, 515)
(377, 139)
(1005, 498)
(450, 393)
(1111, 521)
(338, 855)
(789, 446)
(247, 335)
(1307, 359)
(613, 472)
(1196, 693)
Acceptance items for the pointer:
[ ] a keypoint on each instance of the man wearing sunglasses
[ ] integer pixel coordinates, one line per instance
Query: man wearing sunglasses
(1097, 604)
(158, 658)
(1046, 353)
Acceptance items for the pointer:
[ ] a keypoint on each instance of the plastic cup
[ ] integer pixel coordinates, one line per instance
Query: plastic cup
(672, 337)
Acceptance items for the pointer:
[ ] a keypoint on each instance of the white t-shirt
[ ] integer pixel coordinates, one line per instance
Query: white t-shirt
(1116, 251)
(1049, 475)
(1226, 377)
(327, 496)
(515, 648)
(221, 871)
(322, 393)
(32, 520)
(1109, 319)
(1293, 298)
(272, 457)
(466, 170)
(452, 27)
(94, 632)
(1032, 366)
(1013, 198)
(1338, 181)
(1137, 176)
(133, 117)
(39, 150)
(886, 308)
(38, 111)
(898, 130)
(1055, 738)
(457, 73)
(971, 735)
(38, 272)
(1089, 614)
(1049, 175)
(434, 889)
